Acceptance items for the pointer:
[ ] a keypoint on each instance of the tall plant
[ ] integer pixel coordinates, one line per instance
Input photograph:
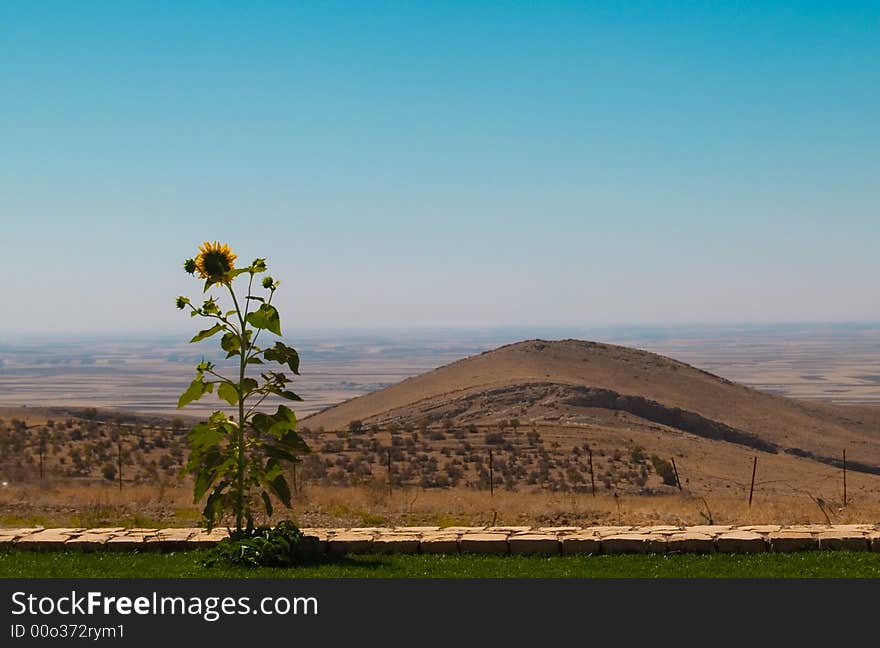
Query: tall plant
(238, 460)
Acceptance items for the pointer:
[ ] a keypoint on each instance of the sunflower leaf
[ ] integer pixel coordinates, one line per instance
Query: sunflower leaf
(230, 343)
(201, 335)
(249, 385)
(265, 317)
(194, 392)
(283, 354)
(228, 392)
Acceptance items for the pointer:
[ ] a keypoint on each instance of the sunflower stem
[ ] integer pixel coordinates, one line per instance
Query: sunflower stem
(239, 495)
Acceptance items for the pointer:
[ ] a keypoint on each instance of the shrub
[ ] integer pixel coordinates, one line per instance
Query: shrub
(281, 546)
(664, 469)
(109, 471)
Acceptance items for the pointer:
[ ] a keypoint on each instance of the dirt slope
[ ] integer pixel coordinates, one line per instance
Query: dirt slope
(573, 382)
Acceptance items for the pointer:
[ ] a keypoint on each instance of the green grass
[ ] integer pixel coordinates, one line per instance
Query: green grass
(25, 564)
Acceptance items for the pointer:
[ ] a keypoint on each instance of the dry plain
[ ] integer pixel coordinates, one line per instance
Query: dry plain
(541, 471)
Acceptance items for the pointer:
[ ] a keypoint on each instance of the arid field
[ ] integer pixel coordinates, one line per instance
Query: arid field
(565, 432)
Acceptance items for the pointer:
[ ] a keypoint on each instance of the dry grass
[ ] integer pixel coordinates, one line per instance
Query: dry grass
(371, 505)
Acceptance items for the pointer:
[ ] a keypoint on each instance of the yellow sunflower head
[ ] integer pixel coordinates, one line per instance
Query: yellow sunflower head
(214, 261)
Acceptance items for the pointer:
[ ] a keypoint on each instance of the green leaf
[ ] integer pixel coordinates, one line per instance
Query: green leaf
(281, 490)
(254, 360)
(279, 453)
(267, 502)
(283, 354)
(204, 436)
(194, 392)
(205, 477)
(265, 317)
(214, 506)
(230, 343)
(228, 392)
(255, 298)
(249, 385)
(207, 333)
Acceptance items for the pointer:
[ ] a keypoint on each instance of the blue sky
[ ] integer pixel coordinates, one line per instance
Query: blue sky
(420, 164)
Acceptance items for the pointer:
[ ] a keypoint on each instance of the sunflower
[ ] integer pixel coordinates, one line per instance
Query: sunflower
(214, 261)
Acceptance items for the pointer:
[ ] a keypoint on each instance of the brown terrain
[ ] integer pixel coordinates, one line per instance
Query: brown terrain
(616, 400)
(567, 432)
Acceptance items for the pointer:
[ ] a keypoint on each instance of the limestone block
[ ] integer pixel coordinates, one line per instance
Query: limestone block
(344, 543)
(785, 541)
(48, 539)
(483, 543)
(439, 544)
(843, 540)
(396, 543)
(690, 542)
(711, 529)
(127, 542)
(665, 529)
(643, 543)
(607, 530)
(88, 541)
(581, 543)
(741, 542)
(546, 544)
(760, 528)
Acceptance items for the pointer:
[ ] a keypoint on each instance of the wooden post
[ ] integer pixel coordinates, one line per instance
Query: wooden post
(389, 472)
(752, 487)
(592, 474)
(42, 454)
(119, 459)
(675, 470)
(491, 475)
(844, 477)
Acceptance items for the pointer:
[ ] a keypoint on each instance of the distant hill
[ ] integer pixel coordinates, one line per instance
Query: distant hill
(572, 383)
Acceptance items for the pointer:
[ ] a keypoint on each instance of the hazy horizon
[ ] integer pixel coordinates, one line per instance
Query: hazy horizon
(839, 363)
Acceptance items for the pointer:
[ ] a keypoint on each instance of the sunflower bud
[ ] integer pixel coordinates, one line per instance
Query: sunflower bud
(259, 265)
(210, 307)
(268, 283)
(182, 302)
(190, 266)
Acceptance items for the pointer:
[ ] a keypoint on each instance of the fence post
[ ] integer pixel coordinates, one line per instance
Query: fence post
(389, 473)
(592, 474)
(491, 475)
(675, 470)
(119, 458)
(752, 487)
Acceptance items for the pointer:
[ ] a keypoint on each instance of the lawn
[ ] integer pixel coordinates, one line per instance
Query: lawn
(26, 564)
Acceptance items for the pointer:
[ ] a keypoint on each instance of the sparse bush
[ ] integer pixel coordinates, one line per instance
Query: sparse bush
(108, 472)
(664, 469)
